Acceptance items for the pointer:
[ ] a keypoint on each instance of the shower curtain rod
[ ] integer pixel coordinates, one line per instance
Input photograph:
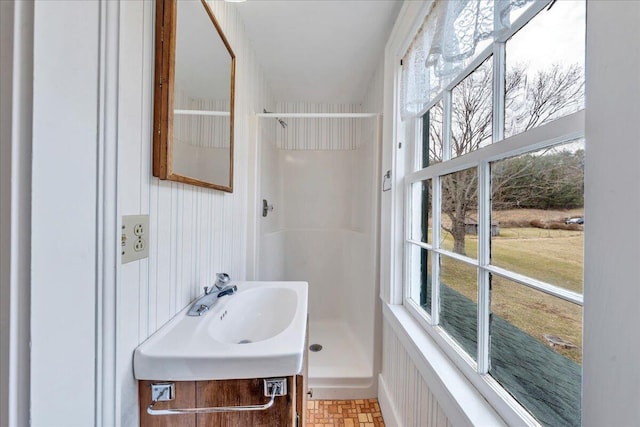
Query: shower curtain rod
(318, 115)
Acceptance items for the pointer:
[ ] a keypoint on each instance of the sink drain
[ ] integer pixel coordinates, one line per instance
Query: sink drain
(244, 342)
(315, 347)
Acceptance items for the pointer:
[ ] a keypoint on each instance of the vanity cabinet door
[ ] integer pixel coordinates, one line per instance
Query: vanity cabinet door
(207, 394)
(243, 392)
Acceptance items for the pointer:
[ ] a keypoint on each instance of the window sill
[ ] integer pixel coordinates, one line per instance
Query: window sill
(461, 401)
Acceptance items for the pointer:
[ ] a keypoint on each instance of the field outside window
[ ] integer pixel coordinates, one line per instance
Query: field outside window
(538, 205)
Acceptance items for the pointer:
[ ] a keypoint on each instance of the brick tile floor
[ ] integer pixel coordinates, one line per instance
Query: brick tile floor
(344, 413)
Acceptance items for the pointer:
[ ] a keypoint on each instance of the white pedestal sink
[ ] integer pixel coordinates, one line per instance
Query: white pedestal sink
(258, 332)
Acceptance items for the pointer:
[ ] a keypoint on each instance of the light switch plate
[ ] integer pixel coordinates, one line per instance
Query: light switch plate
(135, 237)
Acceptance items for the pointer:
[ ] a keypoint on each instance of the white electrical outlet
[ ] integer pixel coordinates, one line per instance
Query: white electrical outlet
(135, 237)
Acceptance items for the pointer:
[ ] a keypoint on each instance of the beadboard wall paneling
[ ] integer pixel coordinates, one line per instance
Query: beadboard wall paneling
(194, 232)
(412, 401)
(318, 133)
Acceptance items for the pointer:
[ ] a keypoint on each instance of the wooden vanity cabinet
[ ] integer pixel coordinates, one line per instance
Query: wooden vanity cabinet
(201, 394)
(301, 398)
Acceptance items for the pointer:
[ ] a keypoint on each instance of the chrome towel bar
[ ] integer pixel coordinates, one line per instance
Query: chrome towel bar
(277, 387)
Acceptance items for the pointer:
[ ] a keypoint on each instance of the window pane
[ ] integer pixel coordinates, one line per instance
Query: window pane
(420, 291)
(432, 135)
(421, 228)
(460, 212)
(536, 350)
(537, 214)
(545, 68)
(472, 103)
(459, 303)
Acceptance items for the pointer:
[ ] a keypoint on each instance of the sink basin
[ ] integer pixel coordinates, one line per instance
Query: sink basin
(257, 332)
(255, 315)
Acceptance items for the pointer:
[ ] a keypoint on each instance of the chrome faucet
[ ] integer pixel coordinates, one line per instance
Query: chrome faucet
(222, 281)
(222, 287)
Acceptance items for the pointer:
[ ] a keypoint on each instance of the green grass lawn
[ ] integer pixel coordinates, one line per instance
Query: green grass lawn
(553, 256)
(544, 381)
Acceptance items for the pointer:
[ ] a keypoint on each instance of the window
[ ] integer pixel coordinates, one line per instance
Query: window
(495, 216)
(472, 111)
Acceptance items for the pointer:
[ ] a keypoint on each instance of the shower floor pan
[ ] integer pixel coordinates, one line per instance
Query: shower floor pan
(341, 370)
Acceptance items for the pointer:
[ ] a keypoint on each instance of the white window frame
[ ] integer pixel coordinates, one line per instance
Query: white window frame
(564, 129)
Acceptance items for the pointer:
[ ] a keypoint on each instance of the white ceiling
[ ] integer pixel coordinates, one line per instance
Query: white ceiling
(319, 51)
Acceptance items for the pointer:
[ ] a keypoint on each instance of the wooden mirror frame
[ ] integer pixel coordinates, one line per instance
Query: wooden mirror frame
(164, 87)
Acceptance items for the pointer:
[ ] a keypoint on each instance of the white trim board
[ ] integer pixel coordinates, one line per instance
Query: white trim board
(388, 409)
(16, 105)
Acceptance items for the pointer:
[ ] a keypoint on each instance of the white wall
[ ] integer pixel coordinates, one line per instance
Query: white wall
(611, 373)
(195, 232)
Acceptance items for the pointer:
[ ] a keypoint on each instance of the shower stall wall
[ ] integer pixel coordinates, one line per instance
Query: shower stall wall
(321, 175)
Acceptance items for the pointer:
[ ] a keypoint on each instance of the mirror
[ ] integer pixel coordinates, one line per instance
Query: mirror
(194, 97)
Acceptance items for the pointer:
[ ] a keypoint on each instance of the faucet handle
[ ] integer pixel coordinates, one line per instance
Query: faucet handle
(206, 290)
(222, 279)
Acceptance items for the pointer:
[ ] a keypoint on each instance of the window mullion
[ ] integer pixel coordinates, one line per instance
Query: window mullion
(484, 208)
(484, 257)
(446, 125)
(408, 224)
(435, 257)
(437, 211)
(499, 80)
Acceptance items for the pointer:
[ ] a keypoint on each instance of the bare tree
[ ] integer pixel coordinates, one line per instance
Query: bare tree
(546, 179)
(529, 103)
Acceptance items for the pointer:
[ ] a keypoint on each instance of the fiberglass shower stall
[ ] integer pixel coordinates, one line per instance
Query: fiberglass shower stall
(320, 174)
